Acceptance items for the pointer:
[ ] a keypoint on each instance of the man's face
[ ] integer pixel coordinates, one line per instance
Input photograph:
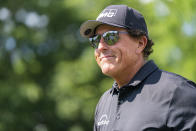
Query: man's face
(118, 58)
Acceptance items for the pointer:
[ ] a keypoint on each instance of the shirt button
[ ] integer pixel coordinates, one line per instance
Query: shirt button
(118, 116)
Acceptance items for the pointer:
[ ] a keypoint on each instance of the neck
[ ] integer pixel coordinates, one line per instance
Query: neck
(126, 75)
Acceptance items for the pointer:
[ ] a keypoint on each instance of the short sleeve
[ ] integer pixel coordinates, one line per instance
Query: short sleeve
(182, 110)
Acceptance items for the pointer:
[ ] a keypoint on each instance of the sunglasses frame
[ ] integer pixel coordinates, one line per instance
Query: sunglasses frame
(110, 38)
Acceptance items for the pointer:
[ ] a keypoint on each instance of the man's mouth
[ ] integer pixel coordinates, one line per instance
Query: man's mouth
(106, 57)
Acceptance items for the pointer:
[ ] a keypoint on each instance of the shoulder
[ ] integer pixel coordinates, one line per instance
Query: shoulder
(182, 106)
(179, 96)
(177, 81)
(103, 101)
(170, 80)
(103, 98)
(167, 85)
(182, 91)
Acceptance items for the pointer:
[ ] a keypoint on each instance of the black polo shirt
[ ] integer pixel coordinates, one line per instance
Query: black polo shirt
(154, 100)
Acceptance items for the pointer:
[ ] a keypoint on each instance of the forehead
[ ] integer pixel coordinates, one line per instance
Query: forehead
(103, 28)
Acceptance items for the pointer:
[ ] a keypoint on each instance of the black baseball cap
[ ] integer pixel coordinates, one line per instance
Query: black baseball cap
(118, 16)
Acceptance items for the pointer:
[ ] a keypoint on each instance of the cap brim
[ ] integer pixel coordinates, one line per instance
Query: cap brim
(87, 28)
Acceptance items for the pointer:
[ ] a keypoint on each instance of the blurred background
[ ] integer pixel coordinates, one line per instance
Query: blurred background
(49, 80)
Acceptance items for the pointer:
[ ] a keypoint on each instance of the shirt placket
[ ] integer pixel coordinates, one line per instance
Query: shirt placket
(120, 100)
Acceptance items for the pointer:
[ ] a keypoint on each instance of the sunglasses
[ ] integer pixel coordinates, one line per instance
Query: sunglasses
(110, 38)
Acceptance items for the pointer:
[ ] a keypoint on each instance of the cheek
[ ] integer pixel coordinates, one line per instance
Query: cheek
(124, 53)
(128, 54)
(97, 58)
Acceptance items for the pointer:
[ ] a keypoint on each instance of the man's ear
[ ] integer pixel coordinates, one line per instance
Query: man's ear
(142, 42)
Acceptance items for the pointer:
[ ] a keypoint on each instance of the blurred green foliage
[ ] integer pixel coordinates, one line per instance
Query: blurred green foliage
(49, 80)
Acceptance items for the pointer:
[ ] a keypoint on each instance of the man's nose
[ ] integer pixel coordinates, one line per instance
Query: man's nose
(102, 45)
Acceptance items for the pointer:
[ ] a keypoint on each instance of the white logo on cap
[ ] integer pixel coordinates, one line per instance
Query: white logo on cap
(107, 13)
(103, 120)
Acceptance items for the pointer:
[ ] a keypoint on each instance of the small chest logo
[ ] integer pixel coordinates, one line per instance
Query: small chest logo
(107, 13)
(103, 120)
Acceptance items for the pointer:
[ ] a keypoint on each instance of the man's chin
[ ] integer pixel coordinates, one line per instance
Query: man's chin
(108, 71)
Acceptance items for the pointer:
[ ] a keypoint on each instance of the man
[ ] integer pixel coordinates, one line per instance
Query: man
(143, 97)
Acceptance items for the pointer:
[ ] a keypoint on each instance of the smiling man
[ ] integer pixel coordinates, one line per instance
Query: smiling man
(143, 97)
(122, 60)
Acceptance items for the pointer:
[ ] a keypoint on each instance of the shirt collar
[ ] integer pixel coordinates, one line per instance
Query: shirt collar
(144, 71)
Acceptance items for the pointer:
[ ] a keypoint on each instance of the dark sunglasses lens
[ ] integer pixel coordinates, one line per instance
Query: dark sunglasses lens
(111, 37)
(94, 41)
